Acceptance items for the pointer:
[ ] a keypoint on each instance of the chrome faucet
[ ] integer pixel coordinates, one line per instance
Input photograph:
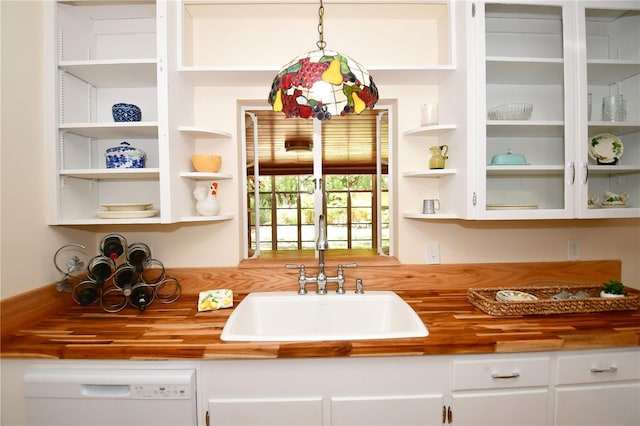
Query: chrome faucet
(321, 279)
(321, 245)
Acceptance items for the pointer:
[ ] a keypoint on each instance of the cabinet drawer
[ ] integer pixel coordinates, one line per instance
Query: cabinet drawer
(500, 373)
(602, 367)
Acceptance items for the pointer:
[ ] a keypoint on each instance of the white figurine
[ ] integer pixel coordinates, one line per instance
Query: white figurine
(207, 204)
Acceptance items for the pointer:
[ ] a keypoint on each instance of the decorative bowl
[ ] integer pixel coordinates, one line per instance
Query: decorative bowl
(511, 112)
(125, 156)
(208, 163)
(126, 112)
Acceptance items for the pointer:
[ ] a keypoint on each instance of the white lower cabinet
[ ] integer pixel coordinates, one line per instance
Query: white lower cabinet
(507, 390)
(598, 389)
(595, 387)
(327, 391)
(397, 410)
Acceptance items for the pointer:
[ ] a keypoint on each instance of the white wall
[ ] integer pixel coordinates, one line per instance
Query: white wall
(28, 244)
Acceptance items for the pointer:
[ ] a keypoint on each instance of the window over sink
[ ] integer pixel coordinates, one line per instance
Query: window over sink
(300, 168)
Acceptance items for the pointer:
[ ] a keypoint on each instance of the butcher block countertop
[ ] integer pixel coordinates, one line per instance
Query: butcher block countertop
(178, 331)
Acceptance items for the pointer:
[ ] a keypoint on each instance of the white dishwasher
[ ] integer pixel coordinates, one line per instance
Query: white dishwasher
(108, 397)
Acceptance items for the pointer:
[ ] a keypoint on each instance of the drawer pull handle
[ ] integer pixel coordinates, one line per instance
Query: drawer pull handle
(505, 376)
(604, 370)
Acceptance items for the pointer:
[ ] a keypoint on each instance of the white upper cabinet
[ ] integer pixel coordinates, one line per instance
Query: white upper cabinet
(524, 125)
(108, 53)
(105, 54)
(179, 62)
(609, 55)
(550, 55)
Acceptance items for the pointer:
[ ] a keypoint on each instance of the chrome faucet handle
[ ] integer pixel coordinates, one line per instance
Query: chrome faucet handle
(340, 280)
(359, 288)
(302, 277)
(340, 277)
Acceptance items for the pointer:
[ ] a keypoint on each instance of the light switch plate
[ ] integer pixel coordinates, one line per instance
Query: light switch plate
(433, 253)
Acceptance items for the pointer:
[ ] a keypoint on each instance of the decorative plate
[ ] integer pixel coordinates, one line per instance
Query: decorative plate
(135, 214)
(118, 207)
(605, 148)
(514, 296)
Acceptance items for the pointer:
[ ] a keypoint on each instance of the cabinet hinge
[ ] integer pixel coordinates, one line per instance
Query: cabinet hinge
(473, 10)
(474, 199)
(206, 418)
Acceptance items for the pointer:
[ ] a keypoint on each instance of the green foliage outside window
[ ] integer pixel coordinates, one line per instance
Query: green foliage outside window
(350, 207)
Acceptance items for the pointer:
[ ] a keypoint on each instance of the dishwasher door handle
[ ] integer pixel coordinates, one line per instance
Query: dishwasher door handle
(105, 390)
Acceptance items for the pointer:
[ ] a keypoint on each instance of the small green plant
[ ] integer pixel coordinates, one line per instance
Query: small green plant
(614, 287)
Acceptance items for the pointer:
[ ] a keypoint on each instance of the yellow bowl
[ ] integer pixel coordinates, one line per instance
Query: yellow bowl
(206, 163)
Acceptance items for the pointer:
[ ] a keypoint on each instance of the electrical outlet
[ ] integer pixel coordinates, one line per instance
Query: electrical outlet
(433, 253)
(573, 249)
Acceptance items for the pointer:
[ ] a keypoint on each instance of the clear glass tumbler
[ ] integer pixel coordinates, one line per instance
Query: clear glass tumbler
(613, 108)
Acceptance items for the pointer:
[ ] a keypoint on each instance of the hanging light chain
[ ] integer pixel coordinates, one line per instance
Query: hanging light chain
(321, 43)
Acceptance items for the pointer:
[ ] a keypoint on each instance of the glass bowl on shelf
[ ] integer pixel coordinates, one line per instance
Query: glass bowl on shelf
(520, 111)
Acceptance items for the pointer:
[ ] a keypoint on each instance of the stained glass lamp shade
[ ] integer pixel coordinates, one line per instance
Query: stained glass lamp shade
(321, 84)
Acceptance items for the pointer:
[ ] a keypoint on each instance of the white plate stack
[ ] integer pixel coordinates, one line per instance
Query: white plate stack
(126, 211)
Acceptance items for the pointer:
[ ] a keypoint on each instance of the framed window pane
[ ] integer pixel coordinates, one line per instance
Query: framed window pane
(337, 199)
(306, 200)
(336, 182)
(360, 182)
(265, 216)
(361, 215)
(336, 215)
(308, 233)
(286, 200)
(337, 232)
(307, 216)
(364, 244)
(361, 199)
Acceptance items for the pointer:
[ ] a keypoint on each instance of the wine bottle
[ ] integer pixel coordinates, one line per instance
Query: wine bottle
(113, 246)
(86, 293)
(141, 296)
(100, 269)
(137, 255)
(125, 278)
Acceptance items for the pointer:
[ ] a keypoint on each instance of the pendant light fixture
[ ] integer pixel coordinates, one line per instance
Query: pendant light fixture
(322, 83)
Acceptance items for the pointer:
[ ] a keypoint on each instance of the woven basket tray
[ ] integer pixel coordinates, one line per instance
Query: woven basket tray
(485, 299)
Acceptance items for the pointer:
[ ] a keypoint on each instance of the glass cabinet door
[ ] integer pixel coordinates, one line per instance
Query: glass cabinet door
(525, 165)
(609, 134)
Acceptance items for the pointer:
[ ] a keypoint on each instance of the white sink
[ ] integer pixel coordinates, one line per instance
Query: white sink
(288, 316)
